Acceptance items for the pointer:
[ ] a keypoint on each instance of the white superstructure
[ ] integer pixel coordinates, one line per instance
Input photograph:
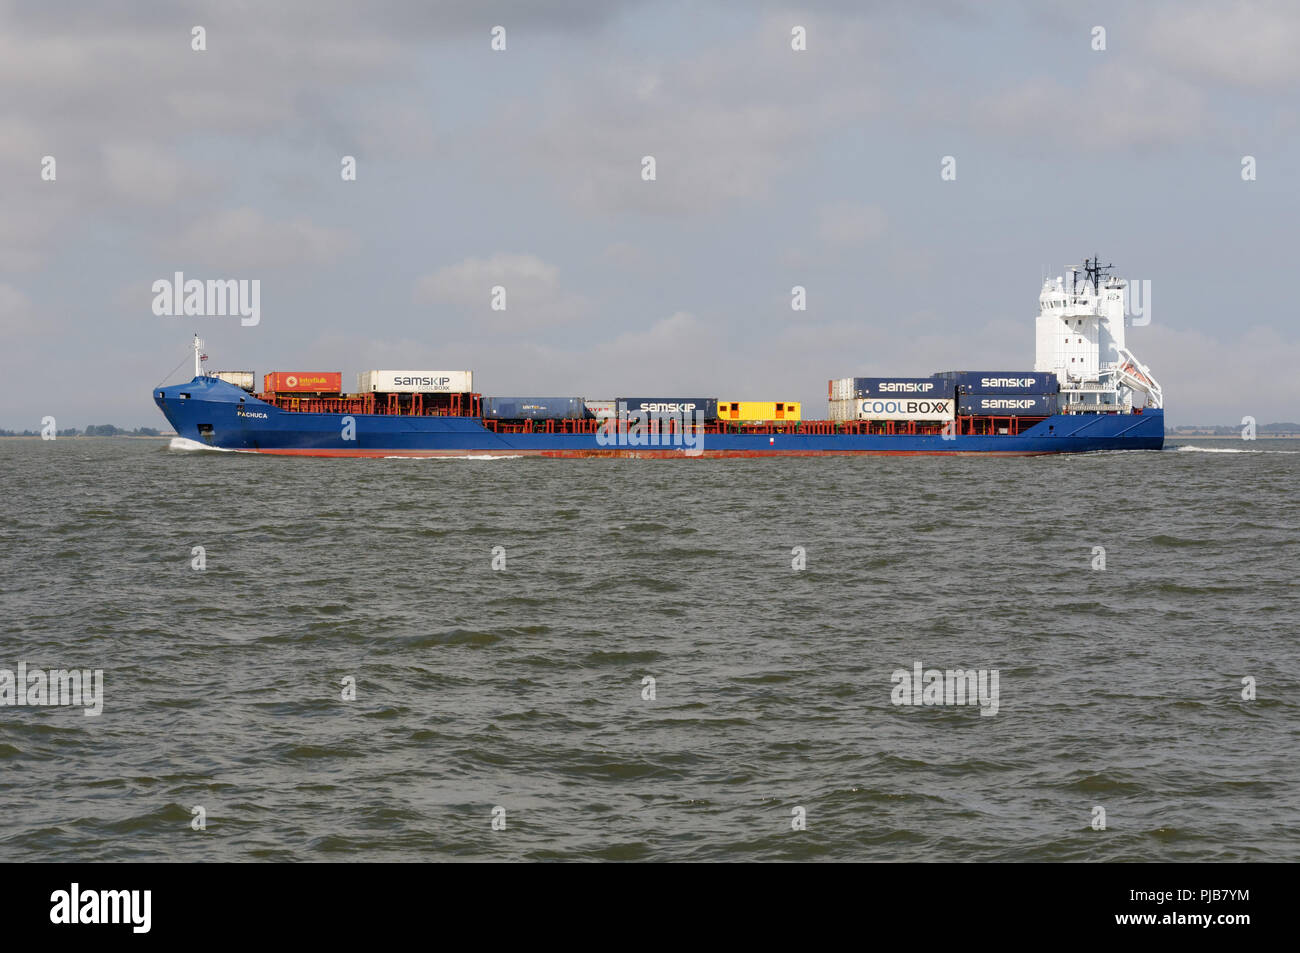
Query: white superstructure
(1079, 335)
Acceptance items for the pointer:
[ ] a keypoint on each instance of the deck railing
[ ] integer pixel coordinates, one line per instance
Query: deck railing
(470, 405)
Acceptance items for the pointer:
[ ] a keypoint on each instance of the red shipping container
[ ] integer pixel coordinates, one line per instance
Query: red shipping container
(303, 382)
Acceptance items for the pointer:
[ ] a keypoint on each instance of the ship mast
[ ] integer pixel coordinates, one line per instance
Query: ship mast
(198, 356)
(1097, 272)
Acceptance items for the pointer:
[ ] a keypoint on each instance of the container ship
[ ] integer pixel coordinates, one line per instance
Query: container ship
(1086, 392)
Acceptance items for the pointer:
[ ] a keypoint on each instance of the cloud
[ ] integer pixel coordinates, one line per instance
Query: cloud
(1249, 44)
(122, 81)
(1201, 374)
(15, 311)
(678, 354)
(849, 224)
(1138, 106)
(141, 174)
(24, 233)
(226, 164)
(534, 297)
(675, 353)
(243, 240)
(630, 256)
(130, 66)
(723, 125)
(34, 209)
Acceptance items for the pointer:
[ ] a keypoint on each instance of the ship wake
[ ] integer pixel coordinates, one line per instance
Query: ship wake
(1228, 450)
(185, 444)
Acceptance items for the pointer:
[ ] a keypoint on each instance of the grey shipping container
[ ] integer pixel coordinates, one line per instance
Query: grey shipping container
(241, 379)
(535, 408)
(901, 387)
(1002, 382)
(672, 405)
(1007, 405)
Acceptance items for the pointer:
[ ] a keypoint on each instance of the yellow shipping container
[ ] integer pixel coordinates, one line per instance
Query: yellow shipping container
(761, 411)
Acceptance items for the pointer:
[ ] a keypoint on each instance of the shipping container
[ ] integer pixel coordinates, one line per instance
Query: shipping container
(839, 388)
(901, 408)
(842, 409)
(600, 409)
(847, 388)
(900, 387)
(243, 379)
(535, 408)
(1002, 382)
(759, 411)
(415, 382)
(671, 405)
(1007, 405)
(303, 382)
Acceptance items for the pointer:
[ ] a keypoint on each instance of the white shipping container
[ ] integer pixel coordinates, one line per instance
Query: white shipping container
(415, 382)
(242, 379)
(601, 408)
(903, 408)
(891, 408)
(842, 410)
(842, 388)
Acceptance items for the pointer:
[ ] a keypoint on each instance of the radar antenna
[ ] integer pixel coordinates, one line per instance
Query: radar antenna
(1097, 273)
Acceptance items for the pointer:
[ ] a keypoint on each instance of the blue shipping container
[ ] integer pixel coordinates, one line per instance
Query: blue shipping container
(670, 405)
(1003, 382)
(901, 387)
(1007, 405)
(535, 408)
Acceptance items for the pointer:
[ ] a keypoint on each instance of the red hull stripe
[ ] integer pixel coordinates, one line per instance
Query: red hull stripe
(650, 454)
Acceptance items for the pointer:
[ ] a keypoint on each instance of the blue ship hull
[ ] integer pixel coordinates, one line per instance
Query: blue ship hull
(222, 416)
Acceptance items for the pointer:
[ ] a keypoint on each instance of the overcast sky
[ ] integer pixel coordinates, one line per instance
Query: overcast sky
(522, 168)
